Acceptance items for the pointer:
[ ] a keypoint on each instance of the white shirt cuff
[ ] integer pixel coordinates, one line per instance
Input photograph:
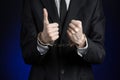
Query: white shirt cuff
(42, 48)
(82, 51)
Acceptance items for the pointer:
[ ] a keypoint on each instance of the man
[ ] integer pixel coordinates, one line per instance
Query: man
(62, 38)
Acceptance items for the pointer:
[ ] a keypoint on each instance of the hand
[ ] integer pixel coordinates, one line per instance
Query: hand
(50, 31)
(75, 33)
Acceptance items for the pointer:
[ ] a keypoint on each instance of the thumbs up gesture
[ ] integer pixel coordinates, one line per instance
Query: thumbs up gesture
(50, 31)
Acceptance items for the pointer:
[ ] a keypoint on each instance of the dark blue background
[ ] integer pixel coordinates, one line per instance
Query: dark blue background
(12, 66)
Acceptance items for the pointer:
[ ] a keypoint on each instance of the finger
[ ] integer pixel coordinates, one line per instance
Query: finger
(77, 23)
(53, 25)
(45, 14)
(71, 30)
(73, 27)
(54, 36)
(54, 33)
(52, 30)
(69, 33)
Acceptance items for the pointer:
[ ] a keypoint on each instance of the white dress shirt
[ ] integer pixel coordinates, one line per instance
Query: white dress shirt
(43, 49)
(58, 5)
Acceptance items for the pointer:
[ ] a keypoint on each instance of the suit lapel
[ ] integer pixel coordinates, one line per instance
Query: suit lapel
(52, 9)
(38, 6)
(75, 6)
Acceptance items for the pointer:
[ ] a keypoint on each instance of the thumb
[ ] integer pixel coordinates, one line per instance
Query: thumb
(45, 15)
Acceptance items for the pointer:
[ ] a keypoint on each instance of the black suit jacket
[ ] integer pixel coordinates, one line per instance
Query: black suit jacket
(62, 62)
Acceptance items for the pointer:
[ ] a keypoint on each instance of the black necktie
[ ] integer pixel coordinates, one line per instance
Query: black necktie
(63, 10)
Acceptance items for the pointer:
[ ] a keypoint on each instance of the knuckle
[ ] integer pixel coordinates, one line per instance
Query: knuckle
(57, 32)
(79, 22)
(49, 29)
(57, 29)
(73, 21)
(57, 36)
(76, 29)
(56, 24)
(79, 25)
(73, 32)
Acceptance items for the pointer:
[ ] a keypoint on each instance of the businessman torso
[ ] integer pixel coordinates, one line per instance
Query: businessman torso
(63, 63)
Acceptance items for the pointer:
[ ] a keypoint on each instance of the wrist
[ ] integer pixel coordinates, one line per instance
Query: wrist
(41, 40)
(82, 42)
(41, 37)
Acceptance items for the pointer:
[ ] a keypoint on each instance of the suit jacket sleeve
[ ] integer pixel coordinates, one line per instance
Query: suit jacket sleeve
(29, 36)
(96, 52)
